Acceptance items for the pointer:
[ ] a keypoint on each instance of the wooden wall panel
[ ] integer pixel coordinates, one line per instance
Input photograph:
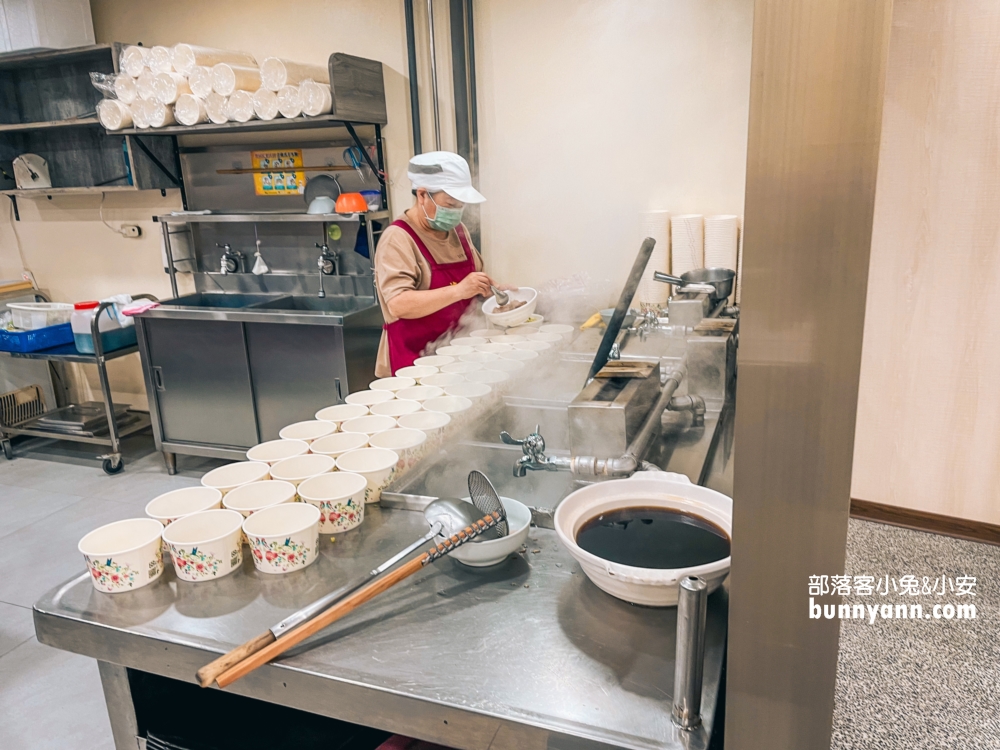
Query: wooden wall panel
(928, 429)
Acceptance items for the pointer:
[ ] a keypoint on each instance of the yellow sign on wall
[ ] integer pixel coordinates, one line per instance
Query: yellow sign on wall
(281, 179)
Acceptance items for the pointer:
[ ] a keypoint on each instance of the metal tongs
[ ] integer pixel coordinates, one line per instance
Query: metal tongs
(502, 298)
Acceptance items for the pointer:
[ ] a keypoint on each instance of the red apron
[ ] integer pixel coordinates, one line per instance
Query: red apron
(408, 337)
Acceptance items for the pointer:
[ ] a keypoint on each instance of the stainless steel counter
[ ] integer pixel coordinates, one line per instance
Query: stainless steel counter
(528, 654)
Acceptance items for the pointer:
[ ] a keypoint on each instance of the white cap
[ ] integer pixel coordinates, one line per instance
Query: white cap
(443, 170)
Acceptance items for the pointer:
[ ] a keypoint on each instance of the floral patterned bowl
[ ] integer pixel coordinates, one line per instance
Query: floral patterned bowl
(297, 470)
(277, 450)
(284, 537)
(205, 545)
(250, 498)
(410, 444)
(339, 442)
(170, 506)
(124, 555)
(311, 429)
(376, 465)
(231, 476)
(340, 413)
(340, 497)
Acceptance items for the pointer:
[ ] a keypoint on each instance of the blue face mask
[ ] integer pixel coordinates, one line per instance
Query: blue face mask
(445, 219)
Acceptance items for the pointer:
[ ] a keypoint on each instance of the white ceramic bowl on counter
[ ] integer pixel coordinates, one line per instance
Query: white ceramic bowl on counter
(297, 470)
(369, 425)
(391, 384)
(250, 498)
(409, 444)
(339, 442)
(205, 545)
(481, 553)
(512, 317)
(396, 408)
(648, 489)
(124, 555)
(419, 393)
(283, 538)
(376, 465)
(307, 431)
(340, 413)
(231, 476)
(366, 398)
(340, 497)
(277, 450)
(170, 506)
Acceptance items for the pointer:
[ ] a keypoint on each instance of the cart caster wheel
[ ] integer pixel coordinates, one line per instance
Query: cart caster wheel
(112, 469)
(8, 450)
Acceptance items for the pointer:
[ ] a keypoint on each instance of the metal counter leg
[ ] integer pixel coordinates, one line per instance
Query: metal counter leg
(118, 697)
(170, 460)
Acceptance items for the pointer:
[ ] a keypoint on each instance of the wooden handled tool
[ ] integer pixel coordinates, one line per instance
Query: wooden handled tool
(279, 646)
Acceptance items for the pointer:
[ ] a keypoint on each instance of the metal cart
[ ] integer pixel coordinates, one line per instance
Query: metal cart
(112, 461)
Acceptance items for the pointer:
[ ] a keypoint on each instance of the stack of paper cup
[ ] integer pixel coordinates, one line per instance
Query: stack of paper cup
(144, 85)
(133, 59)
(276, 73)
(265, 104)
(317, 98)
(160, 60)
(687, 243)
(721, 241)
(239, 108)
(200, 81)
(190, 110)
(655, 224)
(289, 101)
(215, 107)
(227, 78)
(114, 114)
(125, 88)
(188, 56)
(168, 86)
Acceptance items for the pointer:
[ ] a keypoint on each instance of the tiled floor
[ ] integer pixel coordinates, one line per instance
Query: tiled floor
(901, 684)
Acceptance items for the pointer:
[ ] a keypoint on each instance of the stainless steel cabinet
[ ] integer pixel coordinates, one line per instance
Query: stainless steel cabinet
(203, 389)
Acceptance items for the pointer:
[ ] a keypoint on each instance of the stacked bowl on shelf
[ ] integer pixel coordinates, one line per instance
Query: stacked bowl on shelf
(189, 85)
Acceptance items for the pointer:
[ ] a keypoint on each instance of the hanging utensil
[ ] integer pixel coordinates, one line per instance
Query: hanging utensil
(259, 266)
(354, 157)
(502, 297)
(444, 516)
(487, 501)
(353, 601)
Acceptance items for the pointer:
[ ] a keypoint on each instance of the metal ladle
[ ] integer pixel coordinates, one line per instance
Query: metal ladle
(502, 298)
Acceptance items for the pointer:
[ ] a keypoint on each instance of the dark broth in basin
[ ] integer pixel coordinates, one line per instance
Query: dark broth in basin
(653, 538)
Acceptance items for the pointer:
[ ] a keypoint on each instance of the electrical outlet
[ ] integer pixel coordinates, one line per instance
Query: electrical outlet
(130, 230)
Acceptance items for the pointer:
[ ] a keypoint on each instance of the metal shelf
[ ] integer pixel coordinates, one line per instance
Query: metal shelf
(261, 217)
(278, 123)
(68, 353)
(141, 422)
(85, 190)
(13, 127)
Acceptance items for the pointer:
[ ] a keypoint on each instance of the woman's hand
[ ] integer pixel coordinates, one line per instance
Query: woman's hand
(476, 284)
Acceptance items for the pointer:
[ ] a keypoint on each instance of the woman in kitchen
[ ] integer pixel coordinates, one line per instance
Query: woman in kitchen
(427, 271)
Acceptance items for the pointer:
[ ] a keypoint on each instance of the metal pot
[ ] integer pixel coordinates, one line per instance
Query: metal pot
(721, 279)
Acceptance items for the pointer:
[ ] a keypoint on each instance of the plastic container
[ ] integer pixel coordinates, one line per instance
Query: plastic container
(33, 341)
(30, 316)
(113, 335)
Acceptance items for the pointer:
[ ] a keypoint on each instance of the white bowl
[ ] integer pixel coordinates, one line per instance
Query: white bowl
(432, 423)
(297, 470)
(565, 331)
(170, 506)
(369, 425)
(365, 398)
(482, 357)
(519, 355)
(488, 333)
(340, 413)
(489, 377)
(376, 465)
(479, 554)
(510, 338)
(339, 442)
(231, 476)
(512, 366)
(308, 431)
(250, 498)
(391, 384)
(124, 555)
(205, 545)
(433, 360)
(522, 330)
(494, 347)
(461, 368)
(410, 444)
(277, 450)
(340, 497)
(283, 538)
(472, 341)
(647, 586)
(472, 391)
(532, 346)
(548, 338)
(416, 372)
(419, 393)
(513, 317)
(452, 405)
(443, 379)
(455, 351)
(396, 408)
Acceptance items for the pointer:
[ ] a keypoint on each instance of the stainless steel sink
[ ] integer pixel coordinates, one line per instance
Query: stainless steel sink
(221, 300)
(331, 303)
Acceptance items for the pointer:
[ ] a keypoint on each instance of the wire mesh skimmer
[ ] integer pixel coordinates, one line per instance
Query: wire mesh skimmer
(485, 498)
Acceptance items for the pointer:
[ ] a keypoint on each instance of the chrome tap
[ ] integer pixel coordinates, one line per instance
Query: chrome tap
(231, 260)
(534, 457)
(328, 264)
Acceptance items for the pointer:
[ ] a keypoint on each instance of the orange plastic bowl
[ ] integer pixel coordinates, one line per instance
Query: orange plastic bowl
(351, 203)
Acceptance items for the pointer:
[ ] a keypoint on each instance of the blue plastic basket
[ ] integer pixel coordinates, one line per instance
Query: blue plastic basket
(32, 341)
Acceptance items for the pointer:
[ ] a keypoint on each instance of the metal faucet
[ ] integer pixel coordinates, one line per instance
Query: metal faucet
(231, 260)
(328, 264)
(534, 457)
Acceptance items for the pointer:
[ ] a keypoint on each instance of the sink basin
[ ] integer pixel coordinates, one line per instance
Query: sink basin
(202, 299)
(331, 303)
